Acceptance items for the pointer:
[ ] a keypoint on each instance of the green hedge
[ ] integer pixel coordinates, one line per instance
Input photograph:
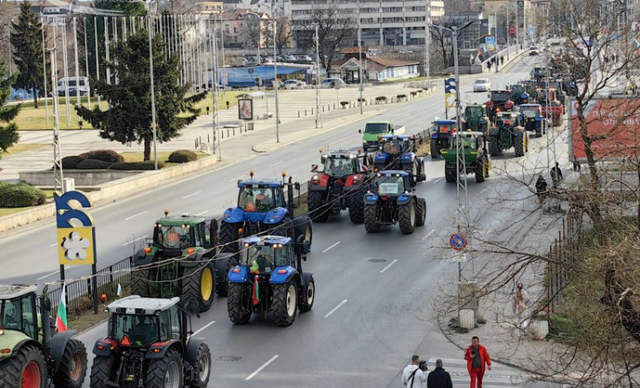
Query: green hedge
(135, 166)
(71, 162)
(20, 195)
(92, 164)
(182, 156)
(107, 156)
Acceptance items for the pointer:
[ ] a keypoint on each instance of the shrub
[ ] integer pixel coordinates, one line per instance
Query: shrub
(381, 98)
(362, 99)
(71, 162)
(344, 103)
(136, 166)
(399, 96)
(92, 164)
(182, 156)
(107, 156)
(20, 195)
(414, 93)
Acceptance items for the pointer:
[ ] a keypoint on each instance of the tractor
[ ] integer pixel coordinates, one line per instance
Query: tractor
(262, 209)
(391, 200)
(32, 353)
(149, 345)
(475, 157)
(338, 186)
(269, 279)
(441, 134)
(507, 132)
(500, 101)
(551, 105)
(182, 259)
(532, 119)
(519, 94)
(399, 153)
(476, 118)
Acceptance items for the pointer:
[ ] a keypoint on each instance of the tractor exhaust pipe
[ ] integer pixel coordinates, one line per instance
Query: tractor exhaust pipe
(45, 313)
(290, 195)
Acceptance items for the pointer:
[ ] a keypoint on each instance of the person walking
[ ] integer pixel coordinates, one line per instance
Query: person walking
(556, 175)
(477, 358)
(519, 305)
(412, 375)
(439, 378)
(501, 60)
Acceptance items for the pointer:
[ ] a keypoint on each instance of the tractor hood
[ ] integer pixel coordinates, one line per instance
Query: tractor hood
(236, 214)
(9, 340)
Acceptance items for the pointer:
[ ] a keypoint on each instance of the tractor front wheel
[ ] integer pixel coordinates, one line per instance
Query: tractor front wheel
(238, 301)
(356, 207)
(421, 212)
(229, 236)
(435, 150)
(198, 285)
(285, 303)
(101, 371)
(407, 217)
(371, 224)
(202, 367)
(222, 283)
(317, 211)
(140, 282)
(26, 369)
(308, 297)
(165, 372)
(450, 175)
(73, 366)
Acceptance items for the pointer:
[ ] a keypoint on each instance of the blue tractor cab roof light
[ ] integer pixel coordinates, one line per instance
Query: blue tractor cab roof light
(266, 240)
(257, 183)
(445, 122)
(393, 173)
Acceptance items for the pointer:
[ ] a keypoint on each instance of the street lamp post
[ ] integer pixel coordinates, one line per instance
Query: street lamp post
(360, 86)
(275, 82)
(427, 40)
(153, 97)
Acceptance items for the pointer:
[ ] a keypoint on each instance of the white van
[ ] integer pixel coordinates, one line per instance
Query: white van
(70, 83)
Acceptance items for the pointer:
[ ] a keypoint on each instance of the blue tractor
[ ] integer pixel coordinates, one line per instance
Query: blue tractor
(398, 152)
(391, 200)
(441, 134)
(263, 209)
(269, 279)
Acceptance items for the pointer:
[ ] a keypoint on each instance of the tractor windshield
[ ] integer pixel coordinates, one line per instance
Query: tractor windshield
(265, 258)
(529, 112)
(393, 147)
(389, 185)
(470, 142)
(500, 97)
(256, 199)
(18, 314)
(338, 167)
(474, 111)
(140, 330)
(174, 236)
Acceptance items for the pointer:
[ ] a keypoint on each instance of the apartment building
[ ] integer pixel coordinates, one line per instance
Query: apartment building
(382, 22)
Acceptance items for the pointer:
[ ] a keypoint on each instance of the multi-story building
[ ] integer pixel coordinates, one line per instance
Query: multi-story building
(245, 28)
(382, 22)
(277, 8)
(505, 13)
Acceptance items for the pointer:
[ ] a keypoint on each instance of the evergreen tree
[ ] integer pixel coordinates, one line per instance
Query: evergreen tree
(129, 116)
(8, 129)
(26, 40)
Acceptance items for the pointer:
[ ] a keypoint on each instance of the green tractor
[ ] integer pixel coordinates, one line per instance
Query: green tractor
(476, 158)
(30, 354)
(182, 259)
(507, 132)
(476, 118)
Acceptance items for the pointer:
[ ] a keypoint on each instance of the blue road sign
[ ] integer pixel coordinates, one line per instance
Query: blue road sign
(458, 242)
(450, 85)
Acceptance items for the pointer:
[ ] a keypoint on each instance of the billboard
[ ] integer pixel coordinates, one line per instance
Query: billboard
(490, 43)
(613, 124)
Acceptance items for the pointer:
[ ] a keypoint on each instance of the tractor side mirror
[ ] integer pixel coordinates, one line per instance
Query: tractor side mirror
(323, 159)
(46, 302)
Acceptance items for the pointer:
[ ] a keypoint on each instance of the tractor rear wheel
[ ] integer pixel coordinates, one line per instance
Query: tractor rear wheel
(229, 236)
(518, 145)
(303, 226)
(238, 303)
(26, 369)
(407, 217)
(450, 175)
(140, 282)
(198, 285)
(165, 372)
(421, 212)
(371, 224)
(494, 147)
(73, 366)
(101, 371)
(435, 151)
(317, 211)
(285, 303)
(480, 171)
(306, 300)
(202, 367)
(356, 207)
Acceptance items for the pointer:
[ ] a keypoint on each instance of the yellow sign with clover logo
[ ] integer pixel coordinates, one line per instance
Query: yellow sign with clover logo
(76, 232)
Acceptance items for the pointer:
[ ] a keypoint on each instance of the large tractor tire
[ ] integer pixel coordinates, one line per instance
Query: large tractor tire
(494, 146)
(198, 285)
(202, 368)
(284, 228)
(26, 369)
(229, 236)
(422, 176)
(518, 145)
(356, 207)
(317, 211)
(165, 372)
(303, 226)
(421, 211)
(450, 175)
(140, 282)
(223, 268)
(407, 217)
(371, 224)
(435, 150)
(481, 171)
(238, 303)
(101, 372)
(285, 303)
(73, 366)
(308, 297)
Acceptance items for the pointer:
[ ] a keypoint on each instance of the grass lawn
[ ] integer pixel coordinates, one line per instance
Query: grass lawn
(30, 119)
(18, 148)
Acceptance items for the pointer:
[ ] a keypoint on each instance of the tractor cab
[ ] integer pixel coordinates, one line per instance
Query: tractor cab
(18, 313)
(443, 128)
(180, 233)
(264, 255)
(507, 119)
(519, 94)
(391, 183)
(339, 164)
(395, 145)
(541, 95)
(260, 195)
(530, 111)
(475, 117)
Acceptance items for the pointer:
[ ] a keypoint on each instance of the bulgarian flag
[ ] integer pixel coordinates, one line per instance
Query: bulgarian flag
(61, 318)
(256, 291)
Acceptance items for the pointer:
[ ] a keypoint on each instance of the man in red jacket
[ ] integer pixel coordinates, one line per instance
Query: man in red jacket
(477, 357)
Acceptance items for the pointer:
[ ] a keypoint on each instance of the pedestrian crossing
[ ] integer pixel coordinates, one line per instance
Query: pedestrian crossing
(499, 376)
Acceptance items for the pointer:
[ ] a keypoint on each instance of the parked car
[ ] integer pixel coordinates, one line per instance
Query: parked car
(290, 58)
(405, 51)
(332, 83)
(279, 58)
(304, 58)
(533, 50)
(482, 85)
(294, 84)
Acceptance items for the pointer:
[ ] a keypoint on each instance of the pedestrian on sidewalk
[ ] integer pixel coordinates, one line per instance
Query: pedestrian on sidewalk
(576, 166)
(501, 60)
(439, 378)
(413, 376)
(519, 304)
(489, 64)
(477, 358)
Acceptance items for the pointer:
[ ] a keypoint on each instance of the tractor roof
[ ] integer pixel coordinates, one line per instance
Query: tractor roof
(260, 183)
(471, 133)
(181, 220)
(392, 173)
(136, 305)
(530, 106)
(500, 91)
(268, 240)
(445, 122)
(341, 154)
(12, 291)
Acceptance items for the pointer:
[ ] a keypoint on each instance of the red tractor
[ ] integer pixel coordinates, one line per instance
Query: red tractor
(340, 184)
(500, 101)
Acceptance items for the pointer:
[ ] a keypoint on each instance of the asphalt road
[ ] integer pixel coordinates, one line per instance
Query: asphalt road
(374, 292)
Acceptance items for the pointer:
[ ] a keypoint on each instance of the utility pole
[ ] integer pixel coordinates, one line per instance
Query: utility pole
(44, 66)
(66, 71)
(427, 41)
(153, 94)
(508, 30)
(361, 85)
(75, 48)
(86, 59)
(275, 83)
(318, 116)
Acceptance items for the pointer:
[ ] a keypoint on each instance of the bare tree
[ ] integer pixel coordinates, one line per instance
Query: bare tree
(252, 33)
(283, 33)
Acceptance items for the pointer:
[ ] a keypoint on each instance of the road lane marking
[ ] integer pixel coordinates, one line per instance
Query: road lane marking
(135, 215)
(482, 192)
(275, 164)
(191, 195)
(335, 308)
(203, 327)
(46, 276)
(331, 247)
(430, 233)
(132, 241)
(261, 368)
(436, 181)
(201, 213)
(387, 267)
(236, 178)
(54, 244)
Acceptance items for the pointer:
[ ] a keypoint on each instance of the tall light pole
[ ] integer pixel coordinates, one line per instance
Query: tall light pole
(275, 82)
(153, 94)
(318, 116)
(427, 41)
(361, 85)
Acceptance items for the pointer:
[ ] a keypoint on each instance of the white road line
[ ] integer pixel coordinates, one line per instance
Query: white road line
(46, 276)
(54, 244)
(236, 178)
(482, 192)
(331, 247)
(191, 195)
(430, 233)
(436, 181)
(337, 307)
(275, 164)
(203, 327)
(135, 215)
(387, 267)
(261, 368)
(201, 213)
(132, 241)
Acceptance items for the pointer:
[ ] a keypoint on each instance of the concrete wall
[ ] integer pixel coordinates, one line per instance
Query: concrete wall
(82, 178)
